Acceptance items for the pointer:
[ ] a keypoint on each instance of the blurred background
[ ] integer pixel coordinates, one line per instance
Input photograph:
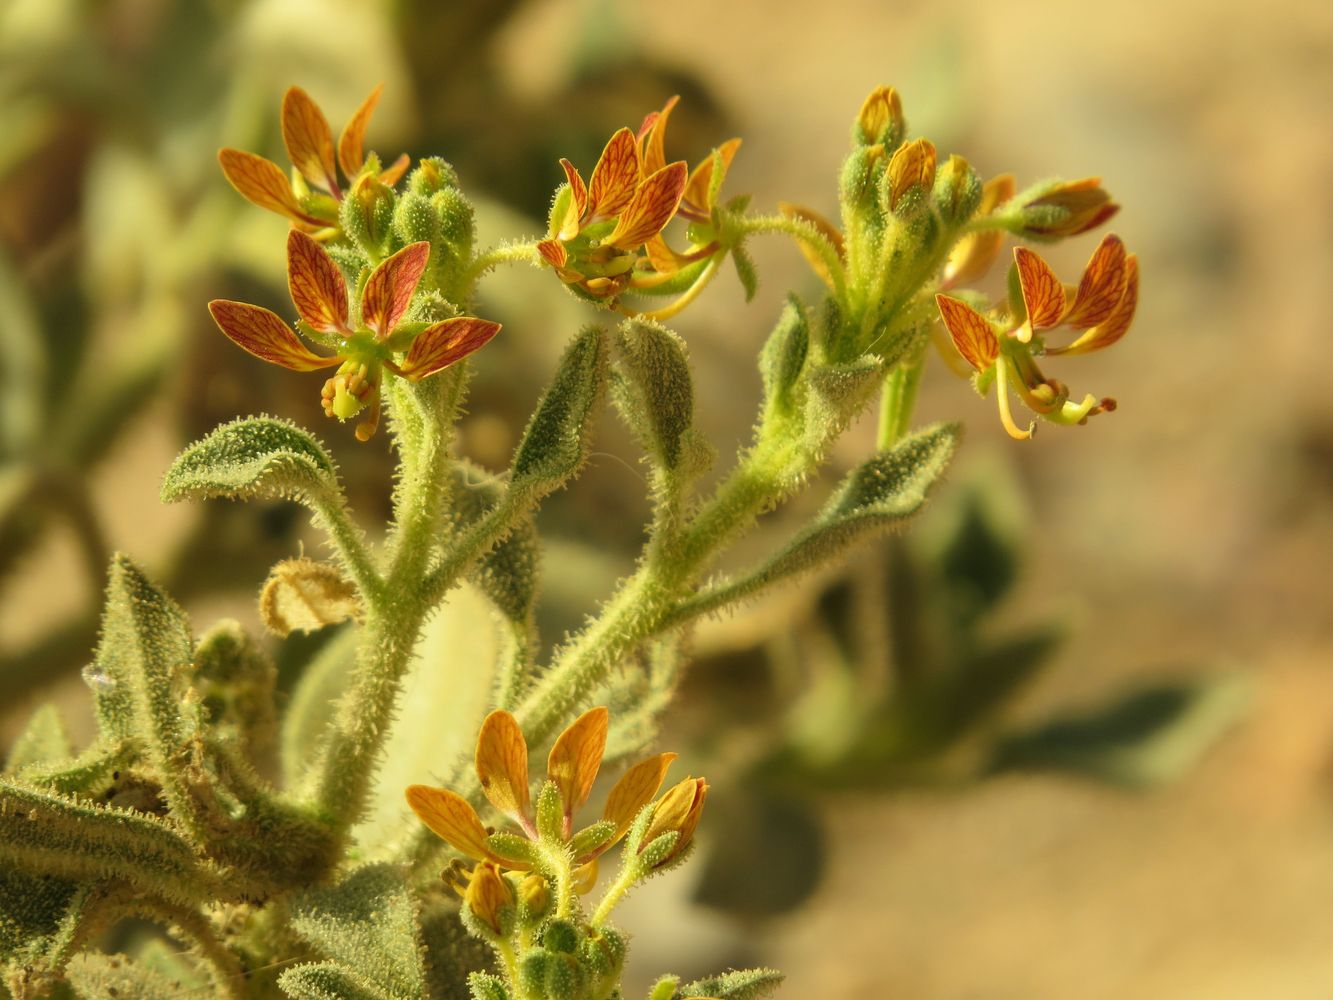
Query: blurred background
(1070, 736)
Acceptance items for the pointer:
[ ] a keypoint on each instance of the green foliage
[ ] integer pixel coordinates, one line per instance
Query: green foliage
(117, 977)
(782, 361)
(654, 390)
(743, 984)
(43, 741)
(254, 458)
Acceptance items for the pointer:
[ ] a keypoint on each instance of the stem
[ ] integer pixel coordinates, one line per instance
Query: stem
(688, 296)
(350, 543)
(806, 233)
(509, 253)
(629, 874)
(898, 401)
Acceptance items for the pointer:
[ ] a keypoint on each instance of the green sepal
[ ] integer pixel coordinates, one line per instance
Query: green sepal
(654, 391)
(96, 976)
(555, 443)
(369, 921)
(602, 953)
(254, 458)
(43, 741)
(957, 191)
(783, 357)
(550, 812)
(415, 221)
(513, 846)
(664, 988)
(366, 215)
(745, 271)
(332, 981)
(592, 837)
(484, 986)
(742, 984)
(565, 978)
(658, 850)
(457, 217)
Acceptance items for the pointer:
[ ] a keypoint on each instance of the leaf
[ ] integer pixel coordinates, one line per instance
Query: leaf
(556, 441)
(43, 741)
(95, 976)
(742, 984)
(368, 922)
(783, 358)
(254, 458)
(1144, 738)
(654, 390)
(305, 595)
(745, 270)
(838, 392)
(329, 981)
(509, 574)
(32, 910)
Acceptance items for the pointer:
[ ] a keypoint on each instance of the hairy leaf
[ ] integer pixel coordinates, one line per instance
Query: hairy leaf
(252, 458)
(331, 981)
(742, 984)
(43, 741)
(654, 390)
(95, 976)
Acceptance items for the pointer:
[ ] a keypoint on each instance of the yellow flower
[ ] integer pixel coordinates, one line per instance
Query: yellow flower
(309, 142)
(678, 812)
(1102, 307)
(365, 349)
(571, 768)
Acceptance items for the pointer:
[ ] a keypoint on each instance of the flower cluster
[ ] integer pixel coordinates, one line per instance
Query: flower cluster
(1004, 349)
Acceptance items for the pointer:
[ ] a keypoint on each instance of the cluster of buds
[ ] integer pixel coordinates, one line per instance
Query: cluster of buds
(605, 237)
(524, 882)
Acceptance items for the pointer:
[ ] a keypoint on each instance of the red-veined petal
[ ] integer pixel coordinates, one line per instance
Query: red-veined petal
(309, 141)
(615, 176)
(576, 758)
(317, 286)
(263, 183)
(633, 791)
(651, 208)
(1114, 326)
(553, 252)
(351, 151)
(700, 186)
(441, 344)
(266, 336)
(653, 136)
(1102, 285)
(390, 288)
(971, 332)
(452, 817)
(1043, 294)
(579, 193)
(502, 764)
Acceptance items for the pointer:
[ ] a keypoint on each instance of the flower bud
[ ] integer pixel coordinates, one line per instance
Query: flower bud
(957, 191)
(860, 173)
(911, 169)
(1065, 208)
(678, 812)
(534, 894)
(414, 220)
(487, 895)
(431, 175)
(367, 215)
(880, 119)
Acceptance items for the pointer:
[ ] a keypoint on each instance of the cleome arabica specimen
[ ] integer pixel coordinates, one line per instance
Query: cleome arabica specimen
(227, 818)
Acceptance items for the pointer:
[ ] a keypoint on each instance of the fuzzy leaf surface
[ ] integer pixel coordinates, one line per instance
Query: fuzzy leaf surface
(254, 458)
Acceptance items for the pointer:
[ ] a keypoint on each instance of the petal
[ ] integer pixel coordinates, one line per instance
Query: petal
(316, 284)
(1102, 285)
(615, 176)
(440, 345)
(677, 810)
(390, 288)
(654, 138)
(553, 252)
(634, 790)
(653, 205)
(666, 261)
(263, 183)
(309, 141)
(1043, 294)
(577, 756)
(971, 332)
(700, 188)
(1114, 326)
(452, 817)
(266, 336)
(393, 173)
(913, 165)
(585, 878)
(351, 154)
(579, 193)
(502, 764)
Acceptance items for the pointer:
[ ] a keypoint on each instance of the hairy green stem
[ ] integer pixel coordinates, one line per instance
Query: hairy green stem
(807, 234)
(898, 401)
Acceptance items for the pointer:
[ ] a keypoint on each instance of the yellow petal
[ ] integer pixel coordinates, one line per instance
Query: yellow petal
(263, 183)
(576, 758)
(452, 817)
(1102, 285)
(585, 878)
(309, 141)
(678, 810)
(317, 286)
(393, 173)
(654, 203)
(882, 108)
(390, 288)
(441, 344)
(502, 764)
(569, 227)
(351, 154)
(615, 177)
(698, 197)
(634, 790)
(553, 252)
(266, 336)
(971, 332)
(913, 165)
(1043, 294)
(653, 135)
(487, 893)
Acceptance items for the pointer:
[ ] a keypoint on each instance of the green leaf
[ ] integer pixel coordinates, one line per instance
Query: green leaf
(95, 976)
(255, 458)
(368, 922)
(32, 910)
(654, 390)
(783, 358)
(556, 441)
(745, 270)
(43, 741)
(1145, 738)
(742, 984)
(510, 572)
(330, 981)
(838, 393)
(235, 680)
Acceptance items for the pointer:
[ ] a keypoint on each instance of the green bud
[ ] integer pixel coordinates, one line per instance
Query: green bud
(561, 936)
(484, 986)
(655, 391)
(957, 192)
(859, 184)
(415, 220)
(664, 988)
(366, 216)
(457, 221)
(432, 174)
(880, 120)
(783, 358)
(565, 978)
(532, 972)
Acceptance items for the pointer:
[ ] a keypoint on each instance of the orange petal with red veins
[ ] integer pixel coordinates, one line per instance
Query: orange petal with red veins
(351, 154)
(615, 176)
(667, 262)
(440, 345)
(316, 284)
(452, 817)
(653, 205)
(577, 756)
(579, 194)
(393, 173)
(653, 135)
(266, 336)
(971, 332)
(390, 288)
(502, 764)
(700, 185)
(1043, 294)
(309, 141)
(1114, 326)
(634, 790)
(1102, 285)
(553, 252)
(263, 183)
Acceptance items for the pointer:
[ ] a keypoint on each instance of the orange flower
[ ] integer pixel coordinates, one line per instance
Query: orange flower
(366, 349)
(309, 141)
(678, 812)
(1065, 208)
(1102, 307)
(598, 228)
(571, 769)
